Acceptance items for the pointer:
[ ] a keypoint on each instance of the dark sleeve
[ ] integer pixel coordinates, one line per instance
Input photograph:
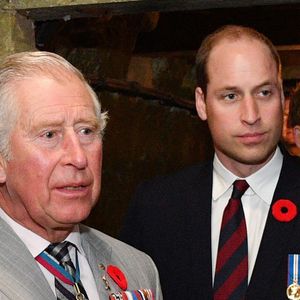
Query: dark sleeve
(132, 227)
(158, 210)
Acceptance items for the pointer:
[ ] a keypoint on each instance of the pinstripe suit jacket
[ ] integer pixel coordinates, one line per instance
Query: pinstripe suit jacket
(22, 279)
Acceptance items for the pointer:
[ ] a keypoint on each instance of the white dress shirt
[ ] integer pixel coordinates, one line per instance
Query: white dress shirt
(36, 244)
(256, 203)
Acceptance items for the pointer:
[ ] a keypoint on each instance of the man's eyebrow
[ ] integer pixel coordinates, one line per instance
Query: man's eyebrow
(227, 88)
(57, 122)
(265, 84)
(35, 126)
(235, 88)
(93, 121)
(90, 119)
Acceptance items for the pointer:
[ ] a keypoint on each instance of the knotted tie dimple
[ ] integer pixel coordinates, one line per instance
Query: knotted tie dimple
(73, 290)
(231, 276)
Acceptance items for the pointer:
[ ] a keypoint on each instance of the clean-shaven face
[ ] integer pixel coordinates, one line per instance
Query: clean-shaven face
(53, 179)
(243, 105)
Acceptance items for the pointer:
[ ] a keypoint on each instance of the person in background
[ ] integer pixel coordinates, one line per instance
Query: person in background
(227, 228)
(51, 128)
(294, 115)
(287, 130)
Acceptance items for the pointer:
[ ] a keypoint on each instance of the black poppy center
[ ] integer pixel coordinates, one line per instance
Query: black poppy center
(284, 209)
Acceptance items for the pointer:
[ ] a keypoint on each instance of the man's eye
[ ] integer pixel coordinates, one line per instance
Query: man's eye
(49, 134)
(86, 131)
(230, 96)
(265, 93)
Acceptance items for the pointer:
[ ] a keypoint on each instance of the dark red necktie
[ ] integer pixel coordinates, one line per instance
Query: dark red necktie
(231, 276)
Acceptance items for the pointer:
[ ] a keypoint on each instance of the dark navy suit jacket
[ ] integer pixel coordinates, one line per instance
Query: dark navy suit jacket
(170, 219)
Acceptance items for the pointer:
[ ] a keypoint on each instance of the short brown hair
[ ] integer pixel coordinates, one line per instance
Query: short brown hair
(231, 32)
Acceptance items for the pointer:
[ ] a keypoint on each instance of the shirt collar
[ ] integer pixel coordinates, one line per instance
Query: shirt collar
(262, 182)
(35, 243)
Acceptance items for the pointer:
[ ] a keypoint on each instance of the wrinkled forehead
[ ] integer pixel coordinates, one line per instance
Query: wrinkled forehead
(64, 110)
(60, 115)
(56, 75)
(46, 95)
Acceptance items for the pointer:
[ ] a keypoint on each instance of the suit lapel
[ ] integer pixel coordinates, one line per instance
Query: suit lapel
(98, 253)
(273, 250)
(199, 226)
(20, 276)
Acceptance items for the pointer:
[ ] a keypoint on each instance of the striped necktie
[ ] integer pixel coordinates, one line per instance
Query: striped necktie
(231, 277)
(56, 259)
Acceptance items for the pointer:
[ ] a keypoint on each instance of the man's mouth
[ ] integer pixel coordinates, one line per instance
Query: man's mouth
(73, 188)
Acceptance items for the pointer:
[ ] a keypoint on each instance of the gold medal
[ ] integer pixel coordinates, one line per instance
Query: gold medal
(78, 294)
(293, 291)
(79, 297)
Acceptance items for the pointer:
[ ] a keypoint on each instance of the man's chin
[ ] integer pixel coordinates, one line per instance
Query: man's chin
(254, 159)
(70, 220)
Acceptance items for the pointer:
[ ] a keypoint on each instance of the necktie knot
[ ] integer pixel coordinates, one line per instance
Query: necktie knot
(68, 285)
(60, 251)
(239, 188)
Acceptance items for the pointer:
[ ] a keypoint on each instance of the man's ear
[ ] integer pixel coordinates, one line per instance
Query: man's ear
(3, 164)
(297, 135)
(200, 104)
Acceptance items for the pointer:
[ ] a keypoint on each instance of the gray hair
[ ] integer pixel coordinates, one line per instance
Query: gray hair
(25, 65)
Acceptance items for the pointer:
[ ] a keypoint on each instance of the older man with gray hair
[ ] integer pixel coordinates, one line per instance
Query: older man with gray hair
(51, 128)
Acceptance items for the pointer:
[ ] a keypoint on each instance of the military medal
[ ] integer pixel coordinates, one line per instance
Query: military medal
(293, 289)
(78, 294)
(107, 287)
(117, 277)
(61, 273)
(106, 283)
(143, 294)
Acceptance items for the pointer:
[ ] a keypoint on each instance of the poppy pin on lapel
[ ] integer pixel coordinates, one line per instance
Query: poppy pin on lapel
(284, 210)
(118, 277)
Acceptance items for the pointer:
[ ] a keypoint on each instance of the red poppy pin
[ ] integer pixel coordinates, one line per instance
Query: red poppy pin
(118, 276)
(284, 210)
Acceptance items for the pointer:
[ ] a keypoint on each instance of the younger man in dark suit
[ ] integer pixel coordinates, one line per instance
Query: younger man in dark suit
(205, 245)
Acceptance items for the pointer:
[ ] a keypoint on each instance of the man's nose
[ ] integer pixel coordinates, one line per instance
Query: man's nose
(74, 152)
(250, 113)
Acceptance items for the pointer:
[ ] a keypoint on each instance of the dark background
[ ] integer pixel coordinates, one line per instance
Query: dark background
(142, 66)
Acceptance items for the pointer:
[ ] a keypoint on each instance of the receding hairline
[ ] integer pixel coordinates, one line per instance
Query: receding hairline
(265, 52)
(229, 33)
(242, 39)
(234, 33)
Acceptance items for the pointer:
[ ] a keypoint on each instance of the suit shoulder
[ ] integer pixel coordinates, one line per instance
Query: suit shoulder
(138, 267)
(291, 160)
(118, 247)
(180, 179)
(290, 172)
